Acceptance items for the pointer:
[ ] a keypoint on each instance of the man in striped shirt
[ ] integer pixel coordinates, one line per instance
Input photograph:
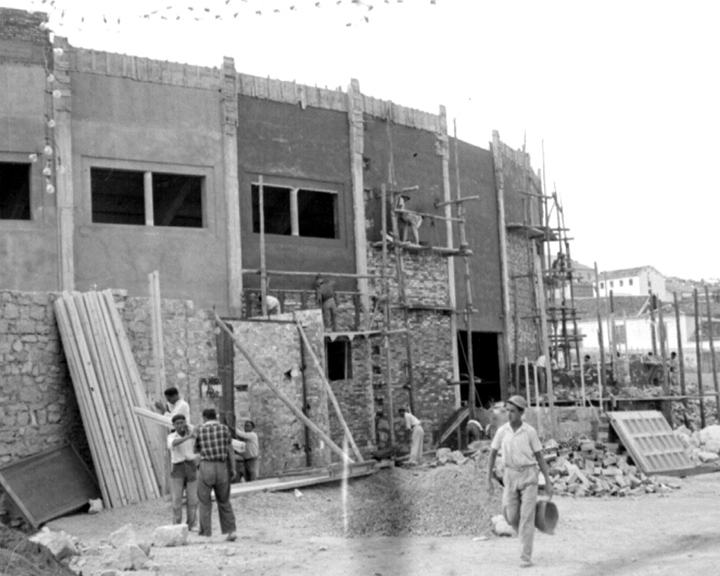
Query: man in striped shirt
(217, 469)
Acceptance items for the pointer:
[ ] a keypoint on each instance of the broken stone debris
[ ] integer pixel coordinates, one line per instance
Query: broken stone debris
(588, 468)
(59, 543)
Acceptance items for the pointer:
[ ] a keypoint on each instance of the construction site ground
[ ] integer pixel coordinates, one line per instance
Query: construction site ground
(426, 521)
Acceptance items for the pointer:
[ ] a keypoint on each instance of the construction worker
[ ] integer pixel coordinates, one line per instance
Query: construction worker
(412, 423)
(408, 219)
(173, 404)
(521, 453)
(326, 300)
(183, 476)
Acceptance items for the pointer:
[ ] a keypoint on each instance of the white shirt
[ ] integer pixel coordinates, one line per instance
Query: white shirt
(272, 304)
(181, 452)
(411, 421)
(252, 446)
(517, 447)
(180, 407)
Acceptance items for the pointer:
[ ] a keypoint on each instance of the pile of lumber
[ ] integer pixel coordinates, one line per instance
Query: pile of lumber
(107, 385)
(598, 469)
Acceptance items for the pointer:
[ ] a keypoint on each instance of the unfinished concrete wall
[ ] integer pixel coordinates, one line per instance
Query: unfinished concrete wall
(276, 348)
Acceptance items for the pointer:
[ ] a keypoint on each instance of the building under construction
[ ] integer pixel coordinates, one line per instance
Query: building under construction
(232, 187)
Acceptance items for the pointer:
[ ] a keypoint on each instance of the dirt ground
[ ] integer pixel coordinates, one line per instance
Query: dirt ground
(279, 533)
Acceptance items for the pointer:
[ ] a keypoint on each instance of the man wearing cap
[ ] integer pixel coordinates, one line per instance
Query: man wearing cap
(521, 453)
(183, 475)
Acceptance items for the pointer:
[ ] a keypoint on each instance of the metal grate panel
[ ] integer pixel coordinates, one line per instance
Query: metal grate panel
(650, 440)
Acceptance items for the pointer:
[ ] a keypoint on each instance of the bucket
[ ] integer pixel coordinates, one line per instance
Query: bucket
(546, 516)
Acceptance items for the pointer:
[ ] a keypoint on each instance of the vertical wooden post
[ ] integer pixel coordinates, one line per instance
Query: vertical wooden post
(712, 351)
(698, 352)
(600, 330)
(681, 356)
(159, 361)
(516, 334)
(527, 381)
(611, 337)
(386, 316)
(263, 264)
(663, 351)
(537, 400)
(545, 345)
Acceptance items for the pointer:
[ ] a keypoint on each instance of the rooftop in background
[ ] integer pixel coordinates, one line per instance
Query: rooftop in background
(627, 272)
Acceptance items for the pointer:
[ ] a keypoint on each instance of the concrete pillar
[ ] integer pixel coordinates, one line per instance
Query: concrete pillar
(63, 158)
(443, 150)
(505, 275)
(357, 146)
(231, 186)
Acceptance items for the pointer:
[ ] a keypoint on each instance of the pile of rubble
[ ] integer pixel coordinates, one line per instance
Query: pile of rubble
(702, 446)
(587, 468)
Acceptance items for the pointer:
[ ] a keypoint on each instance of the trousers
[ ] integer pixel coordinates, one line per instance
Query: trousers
(214, 476)
(183, 478)
(416, 448)
(519, 500)
(329, 312)
(250, 469)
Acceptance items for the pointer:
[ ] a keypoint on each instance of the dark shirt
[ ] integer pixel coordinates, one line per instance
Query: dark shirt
(325, 292)
(214, 441)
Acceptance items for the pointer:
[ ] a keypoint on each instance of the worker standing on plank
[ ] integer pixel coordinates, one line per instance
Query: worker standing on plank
(217, 469)
(173, 404)
(252, 451)
(521, 454)
(412, 423)
(183, 476)
(326, 300)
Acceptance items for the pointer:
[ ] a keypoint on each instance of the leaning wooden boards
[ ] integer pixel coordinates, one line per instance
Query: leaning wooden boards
(107, 385)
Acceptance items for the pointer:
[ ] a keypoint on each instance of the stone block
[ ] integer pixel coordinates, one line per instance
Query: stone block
(171, 535)
(127, 557)
(11, 312)
(127, 536)
(59, 543)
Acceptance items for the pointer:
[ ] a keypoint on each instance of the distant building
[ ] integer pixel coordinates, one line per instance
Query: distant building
(633, 282)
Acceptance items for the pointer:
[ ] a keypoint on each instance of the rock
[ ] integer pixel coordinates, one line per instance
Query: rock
(501, 527)
(127, 535)
(707, 456)
(95, 506)
(457, 457)
(127, 557)
(709, 434)
(59, 543)
(110, 573)
(443, 454)
(171, 535)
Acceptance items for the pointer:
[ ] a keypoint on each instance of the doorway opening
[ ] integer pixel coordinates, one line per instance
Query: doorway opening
(486, 365)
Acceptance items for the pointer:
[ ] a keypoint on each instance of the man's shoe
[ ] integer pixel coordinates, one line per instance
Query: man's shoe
(525, 563)
(231, 537)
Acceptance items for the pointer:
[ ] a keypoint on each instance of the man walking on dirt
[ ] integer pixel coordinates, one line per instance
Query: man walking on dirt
(522, 455)
(217, 469)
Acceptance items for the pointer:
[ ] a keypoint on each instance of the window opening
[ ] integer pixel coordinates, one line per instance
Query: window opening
(118, 196)
(317, 214)
(276, 207)
(146, 198)
(338, 356)
(177, 200)
(14, 191)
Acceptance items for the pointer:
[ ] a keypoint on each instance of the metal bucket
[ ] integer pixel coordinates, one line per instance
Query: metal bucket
(546, 516)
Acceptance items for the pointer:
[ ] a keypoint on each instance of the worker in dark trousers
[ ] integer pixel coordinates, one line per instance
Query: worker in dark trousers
(326, 300)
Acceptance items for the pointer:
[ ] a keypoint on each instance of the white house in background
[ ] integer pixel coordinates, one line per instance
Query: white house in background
(633, 282)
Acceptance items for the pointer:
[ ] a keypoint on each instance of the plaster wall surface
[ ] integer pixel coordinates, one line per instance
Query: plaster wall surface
(294, 147)
(159, 128)
(28, 252)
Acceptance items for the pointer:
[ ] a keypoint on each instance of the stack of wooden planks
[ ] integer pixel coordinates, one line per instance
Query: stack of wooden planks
(107, 385)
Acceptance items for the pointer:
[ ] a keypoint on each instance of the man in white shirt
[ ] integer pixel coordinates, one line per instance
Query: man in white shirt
(521, 452)
(413, 423)
(250, 461)
(183, 476)
(174, 404)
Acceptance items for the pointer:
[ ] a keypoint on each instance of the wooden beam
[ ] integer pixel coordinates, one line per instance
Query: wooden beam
(330, 392)
(285, 400)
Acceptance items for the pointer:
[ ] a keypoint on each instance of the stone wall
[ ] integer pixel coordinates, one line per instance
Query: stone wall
(276, 348)
(522, 294)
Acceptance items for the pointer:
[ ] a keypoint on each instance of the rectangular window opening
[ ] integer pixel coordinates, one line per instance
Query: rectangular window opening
(118, 196)
(317, 214)
(177, 200)
(276, 208)
(14, 191)
(338, 356)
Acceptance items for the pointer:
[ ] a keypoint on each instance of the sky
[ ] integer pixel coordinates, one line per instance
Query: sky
(623, 97)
